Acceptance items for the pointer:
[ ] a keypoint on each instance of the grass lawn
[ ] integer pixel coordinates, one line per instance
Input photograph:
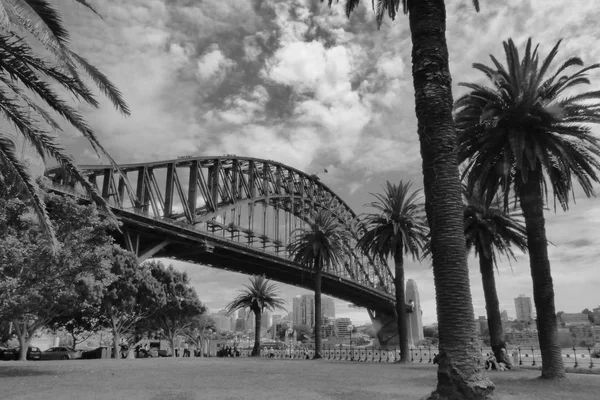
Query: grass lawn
(264, 379)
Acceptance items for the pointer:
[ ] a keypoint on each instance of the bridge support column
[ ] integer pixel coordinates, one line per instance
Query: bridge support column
(146, 254)
(386, 328)
(385, 324)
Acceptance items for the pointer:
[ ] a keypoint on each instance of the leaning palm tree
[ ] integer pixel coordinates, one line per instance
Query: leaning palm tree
(321, 245)
(459, 374)
(397, 228)
(522, 135)
(22, 73)
(259, 295)
(491, 232)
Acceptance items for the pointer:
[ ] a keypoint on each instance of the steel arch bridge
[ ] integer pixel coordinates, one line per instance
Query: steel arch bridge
(234, 213)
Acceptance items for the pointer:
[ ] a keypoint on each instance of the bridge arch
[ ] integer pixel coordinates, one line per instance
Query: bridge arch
(246, 208)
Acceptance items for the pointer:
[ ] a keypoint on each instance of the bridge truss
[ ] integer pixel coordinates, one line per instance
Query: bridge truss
(245, 201)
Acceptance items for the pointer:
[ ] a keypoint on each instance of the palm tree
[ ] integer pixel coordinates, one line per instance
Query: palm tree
(321, 245)
(522, 135)
(490, 232)
(397, 228)
(259, 295)
(459, 374)
(23, 72)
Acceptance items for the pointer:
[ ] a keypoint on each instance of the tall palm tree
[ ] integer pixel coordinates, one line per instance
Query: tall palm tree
(523, 135)
(491, 232)
(23, 72)
(259, 295)
(321, 245)
(397, 228)
(459, 374)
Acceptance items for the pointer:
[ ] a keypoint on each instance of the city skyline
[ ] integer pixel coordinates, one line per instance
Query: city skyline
(301, 84)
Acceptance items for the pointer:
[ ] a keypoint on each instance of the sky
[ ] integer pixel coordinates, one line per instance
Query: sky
(297, 82)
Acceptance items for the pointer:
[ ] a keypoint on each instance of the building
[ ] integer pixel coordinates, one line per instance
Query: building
(481, 325)
(265, 323)
(328, 307)
(304, 309)
(526, 338)
(276, 319)
(585, 335)
(574, 319)
(504, 316)
(524, 308)
(415, 322)
(341, 327)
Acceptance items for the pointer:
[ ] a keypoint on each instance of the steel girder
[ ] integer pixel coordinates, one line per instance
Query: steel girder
(246, 200)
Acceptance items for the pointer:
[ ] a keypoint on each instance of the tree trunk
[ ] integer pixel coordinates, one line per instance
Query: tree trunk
(24, 341)
(492, 307)
(257, 322)
(116, 342)
(532, 204)
(401, 305)
(318, 346)
(459, 372)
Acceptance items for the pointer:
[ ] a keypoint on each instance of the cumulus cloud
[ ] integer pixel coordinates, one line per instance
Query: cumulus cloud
(300, 83)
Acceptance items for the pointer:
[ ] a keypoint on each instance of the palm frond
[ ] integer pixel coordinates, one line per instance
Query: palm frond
(11, 164)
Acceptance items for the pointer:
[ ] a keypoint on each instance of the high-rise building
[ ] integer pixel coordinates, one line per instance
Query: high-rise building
(296, 314)
(265, 322)
(276, 319)
(328, 307)
(341, 327)
(415, 321)
(524, 308)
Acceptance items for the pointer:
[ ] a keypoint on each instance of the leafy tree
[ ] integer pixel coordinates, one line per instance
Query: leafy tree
(491, 232)
(589, 313)
(431, 333)
(459, 375)
(80, 324)
(181, 302)
(397, 228)
(133, 296)
(38, 285)
(199, 331)
(524, 135)
(27, 23)
(320, 246)
(259, 295)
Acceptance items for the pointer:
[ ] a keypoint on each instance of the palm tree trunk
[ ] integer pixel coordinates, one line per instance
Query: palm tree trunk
(492, 306)
(459, 375)
(318, 271)
(401, 305)
(532, 204)
(257, 322)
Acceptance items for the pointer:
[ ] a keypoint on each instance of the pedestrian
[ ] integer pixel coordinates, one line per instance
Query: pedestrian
(186, 350)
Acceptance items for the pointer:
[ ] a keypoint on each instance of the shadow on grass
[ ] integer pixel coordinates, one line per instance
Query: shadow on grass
(8, 371)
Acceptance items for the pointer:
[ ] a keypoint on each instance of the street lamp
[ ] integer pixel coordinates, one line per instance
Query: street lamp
(350, 328)
(290, 331)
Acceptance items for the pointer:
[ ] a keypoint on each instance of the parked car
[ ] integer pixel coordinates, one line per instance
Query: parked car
(99, 352)
(61, 353)
(33, 353)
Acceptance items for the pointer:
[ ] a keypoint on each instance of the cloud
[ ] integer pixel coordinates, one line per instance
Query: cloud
(297, 82)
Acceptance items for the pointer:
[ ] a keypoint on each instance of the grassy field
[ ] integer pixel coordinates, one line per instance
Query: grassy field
(264, 379)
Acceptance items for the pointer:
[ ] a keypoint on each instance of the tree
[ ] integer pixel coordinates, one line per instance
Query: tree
(397, 228)
(259, 295)
(80, 324)
(491, 232)
(133, 296)
(522, 136)
(459, 371)
(23, 72)
(38, 285)
(181, 302)
(199, 331)
(321, 245)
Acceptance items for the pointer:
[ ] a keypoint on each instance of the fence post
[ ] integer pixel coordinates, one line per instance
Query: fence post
(533, 355)
(575, 353)
(429, 353)
(520, 359)
(591, 361)
(411, 354)
(420, 354)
